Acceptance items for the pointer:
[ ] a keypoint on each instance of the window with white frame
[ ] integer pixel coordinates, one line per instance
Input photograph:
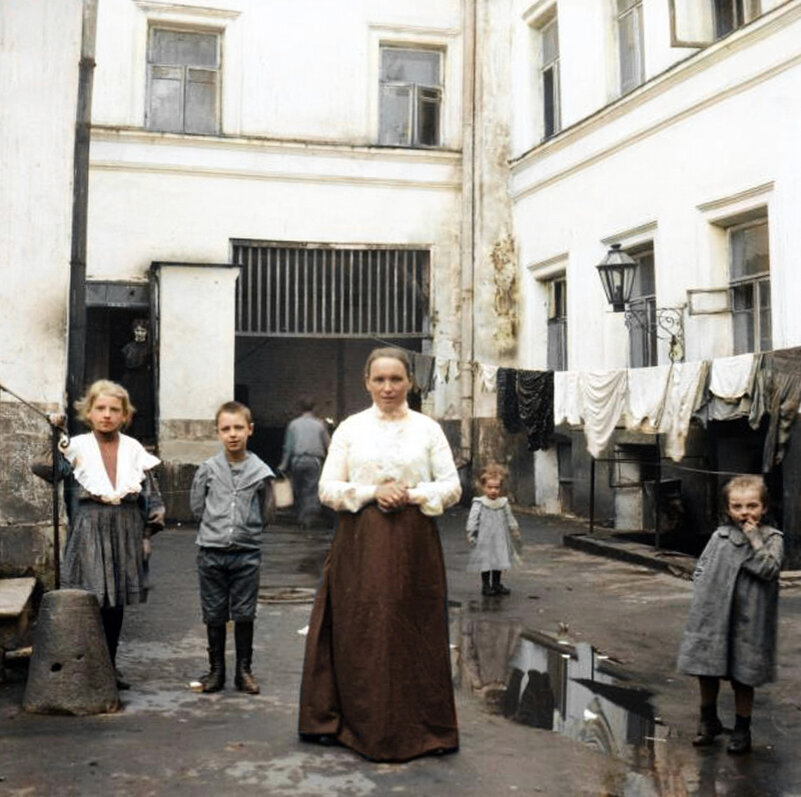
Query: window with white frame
(642, 330)
(183, 81)
(697, 23)
(749, 283)
(549, 78)
(630, 44)
(557, 323)
(410, 97)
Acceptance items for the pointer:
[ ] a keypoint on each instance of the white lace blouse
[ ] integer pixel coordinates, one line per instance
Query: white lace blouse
(369, 448)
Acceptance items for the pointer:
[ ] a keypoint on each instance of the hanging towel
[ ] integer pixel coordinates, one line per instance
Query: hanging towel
(535, 402)
(733, 385)
(423, 365)
(685, 393)
(567, 403)
(646, 397)
(731, 377)
(604, 401)
(782, 398)
(488, 377)
(454, 370)
(508, 408)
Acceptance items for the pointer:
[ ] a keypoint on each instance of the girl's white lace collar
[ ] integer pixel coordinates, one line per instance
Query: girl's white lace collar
(83, 453)
(493, 503)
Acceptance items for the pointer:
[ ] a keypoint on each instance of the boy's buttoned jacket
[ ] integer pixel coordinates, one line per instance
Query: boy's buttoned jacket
(731, 628)
(231, 514)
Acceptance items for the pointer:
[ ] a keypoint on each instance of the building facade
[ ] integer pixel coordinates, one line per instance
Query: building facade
(667, 128)
(275, 189)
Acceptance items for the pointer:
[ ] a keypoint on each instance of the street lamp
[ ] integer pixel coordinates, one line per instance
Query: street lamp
(617, 276)
(617, 271)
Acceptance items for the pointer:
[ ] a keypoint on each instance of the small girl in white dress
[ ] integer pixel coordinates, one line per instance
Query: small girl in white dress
(492, 532)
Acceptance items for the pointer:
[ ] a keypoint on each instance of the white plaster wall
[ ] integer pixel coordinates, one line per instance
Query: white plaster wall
(719, 125)
(546, 479)
(290, 68)
(196, 355)
(588, 56)
(39, 53)
(184, 201)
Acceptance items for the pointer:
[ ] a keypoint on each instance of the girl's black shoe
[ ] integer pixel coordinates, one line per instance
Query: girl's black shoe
(499, 589)
(740, 741)
(708, 729)
(486, 589)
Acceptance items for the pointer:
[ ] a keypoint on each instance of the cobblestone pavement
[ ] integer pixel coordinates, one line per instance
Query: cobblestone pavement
(603, 632)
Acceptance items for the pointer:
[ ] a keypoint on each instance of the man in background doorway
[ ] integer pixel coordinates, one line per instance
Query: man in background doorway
(305, 447)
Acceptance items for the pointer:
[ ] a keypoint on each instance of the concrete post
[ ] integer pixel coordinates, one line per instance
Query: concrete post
(70, 670)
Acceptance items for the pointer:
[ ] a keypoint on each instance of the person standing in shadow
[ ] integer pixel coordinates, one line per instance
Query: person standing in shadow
(305, 447)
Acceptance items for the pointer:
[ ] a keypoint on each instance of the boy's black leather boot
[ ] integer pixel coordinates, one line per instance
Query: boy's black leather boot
(214, 679)
(243, 638)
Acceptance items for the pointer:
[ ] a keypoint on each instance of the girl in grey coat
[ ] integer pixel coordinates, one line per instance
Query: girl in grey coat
(731, 629)
(492, 532)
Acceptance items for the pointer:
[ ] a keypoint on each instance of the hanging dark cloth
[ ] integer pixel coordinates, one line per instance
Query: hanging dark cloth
(423, 371)
(535, 403)
(508, 408)
(782, 397)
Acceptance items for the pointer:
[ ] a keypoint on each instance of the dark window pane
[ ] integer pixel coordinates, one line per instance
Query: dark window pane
(642, 333)
(725, 16)
(765, 333)
(743, 318)
(428, 118)
(548, 98)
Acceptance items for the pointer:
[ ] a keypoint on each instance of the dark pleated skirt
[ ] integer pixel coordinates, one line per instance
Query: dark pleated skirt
(103, 553)
(377, 669)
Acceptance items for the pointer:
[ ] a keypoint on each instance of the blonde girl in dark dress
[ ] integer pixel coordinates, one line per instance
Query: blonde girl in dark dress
(115, 507)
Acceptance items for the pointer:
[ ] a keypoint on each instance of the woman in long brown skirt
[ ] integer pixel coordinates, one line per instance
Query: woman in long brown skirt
(376, 676)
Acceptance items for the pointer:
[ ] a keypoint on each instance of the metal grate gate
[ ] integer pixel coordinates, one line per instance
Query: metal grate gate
(321, 291)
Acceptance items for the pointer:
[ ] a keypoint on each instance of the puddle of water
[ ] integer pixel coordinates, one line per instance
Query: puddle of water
(556, 685)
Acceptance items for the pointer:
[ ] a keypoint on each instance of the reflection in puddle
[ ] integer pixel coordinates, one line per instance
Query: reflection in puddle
(579, 693)
(567, 688)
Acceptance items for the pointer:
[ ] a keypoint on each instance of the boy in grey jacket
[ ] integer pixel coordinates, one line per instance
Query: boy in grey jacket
(232, 497)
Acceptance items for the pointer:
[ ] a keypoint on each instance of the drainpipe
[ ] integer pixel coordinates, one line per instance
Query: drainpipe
(76, 341)
(468, 270)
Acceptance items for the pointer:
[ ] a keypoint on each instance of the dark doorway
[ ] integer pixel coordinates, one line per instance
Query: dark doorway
(117, 349)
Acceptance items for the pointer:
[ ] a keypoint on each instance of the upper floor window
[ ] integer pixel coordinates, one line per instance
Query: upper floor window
(697, 23)
(630, 44)
(183, 81)
(749, 282)
(411, 97)
(733, 14)
(549, 78)
(557, 324)
(642, 329)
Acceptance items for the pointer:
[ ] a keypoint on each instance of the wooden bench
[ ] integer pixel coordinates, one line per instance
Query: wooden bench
(15, 610)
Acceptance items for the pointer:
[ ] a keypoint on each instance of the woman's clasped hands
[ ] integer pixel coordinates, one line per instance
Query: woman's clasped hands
(391, 495)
